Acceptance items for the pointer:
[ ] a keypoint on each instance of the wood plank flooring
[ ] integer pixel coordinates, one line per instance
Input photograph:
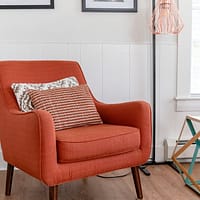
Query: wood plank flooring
(163, 184)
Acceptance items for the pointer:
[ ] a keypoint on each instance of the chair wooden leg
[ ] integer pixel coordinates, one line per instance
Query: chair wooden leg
(53, 192)
(136, 178)
(9, 177)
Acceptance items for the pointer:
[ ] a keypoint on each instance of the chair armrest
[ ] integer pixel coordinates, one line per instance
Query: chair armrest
(136, 114)
(28, 140)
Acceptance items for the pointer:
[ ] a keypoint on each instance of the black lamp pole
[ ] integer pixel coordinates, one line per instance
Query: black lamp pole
(154, 90)
(143, 167)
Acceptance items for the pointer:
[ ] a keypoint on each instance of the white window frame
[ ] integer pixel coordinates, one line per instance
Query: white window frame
(184, 100)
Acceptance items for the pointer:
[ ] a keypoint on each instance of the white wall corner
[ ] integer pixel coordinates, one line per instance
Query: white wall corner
(2, 162)
(159, 150)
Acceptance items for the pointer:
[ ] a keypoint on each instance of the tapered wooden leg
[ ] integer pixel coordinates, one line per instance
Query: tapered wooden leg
(53, 192)
(9, 177)
(136, 178)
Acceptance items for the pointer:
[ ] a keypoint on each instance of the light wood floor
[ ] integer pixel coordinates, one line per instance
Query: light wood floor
(163, 184)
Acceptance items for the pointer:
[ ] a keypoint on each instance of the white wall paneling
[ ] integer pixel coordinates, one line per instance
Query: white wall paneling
(28, 50)
(140, 72)
(91, 62)
(116, 70)
(166, 79)
(74, 51)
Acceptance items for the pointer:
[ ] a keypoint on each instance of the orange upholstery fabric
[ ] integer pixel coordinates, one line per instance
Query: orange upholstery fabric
(28, 140)
(92, 142)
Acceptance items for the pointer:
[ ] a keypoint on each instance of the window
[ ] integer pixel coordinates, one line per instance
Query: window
(188, 68)
(195, 55)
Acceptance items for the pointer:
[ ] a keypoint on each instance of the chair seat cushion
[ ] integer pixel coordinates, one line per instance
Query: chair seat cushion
(97, 141)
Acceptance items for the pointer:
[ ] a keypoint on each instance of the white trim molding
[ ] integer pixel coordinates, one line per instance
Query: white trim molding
(185, 101)
(187, 104)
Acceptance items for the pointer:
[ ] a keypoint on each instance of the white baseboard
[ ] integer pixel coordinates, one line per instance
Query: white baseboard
(187, 155)
(159, 151)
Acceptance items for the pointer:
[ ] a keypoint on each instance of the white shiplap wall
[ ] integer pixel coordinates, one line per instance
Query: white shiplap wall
(113, 70)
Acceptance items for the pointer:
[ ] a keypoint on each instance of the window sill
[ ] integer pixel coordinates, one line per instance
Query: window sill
(185, 104)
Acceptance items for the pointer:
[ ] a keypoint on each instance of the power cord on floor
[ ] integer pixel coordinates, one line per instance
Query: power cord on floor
(142, 169)
(114, 176)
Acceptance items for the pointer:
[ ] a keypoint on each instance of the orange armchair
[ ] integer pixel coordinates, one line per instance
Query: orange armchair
(29, 140)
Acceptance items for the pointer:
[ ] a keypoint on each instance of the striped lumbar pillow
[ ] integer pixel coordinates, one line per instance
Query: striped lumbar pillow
(69, 107)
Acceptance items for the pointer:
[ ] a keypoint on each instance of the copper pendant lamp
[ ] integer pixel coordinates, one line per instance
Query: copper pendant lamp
(165, 18)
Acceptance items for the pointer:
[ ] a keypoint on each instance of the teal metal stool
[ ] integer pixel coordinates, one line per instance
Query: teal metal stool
(187, 173)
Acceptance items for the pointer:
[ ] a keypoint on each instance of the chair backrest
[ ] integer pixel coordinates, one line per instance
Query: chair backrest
(33, 72)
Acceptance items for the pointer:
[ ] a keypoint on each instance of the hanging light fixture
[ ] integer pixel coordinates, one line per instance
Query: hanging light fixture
(166, 18)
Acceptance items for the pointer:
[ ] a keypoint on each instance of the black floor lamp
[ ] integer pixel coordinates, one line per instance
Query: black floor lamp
(165, 20)
(154, 90)
(143, 168)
